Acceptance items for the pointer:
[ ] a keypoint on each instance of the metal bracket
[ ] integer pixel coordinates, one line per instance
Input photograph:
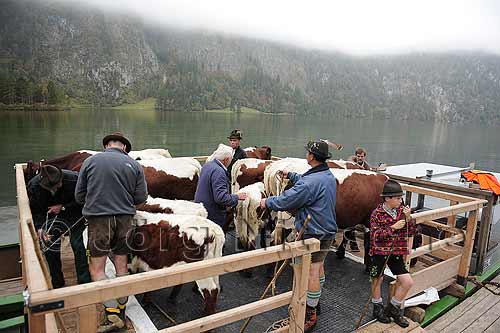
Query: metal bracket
(47, 306)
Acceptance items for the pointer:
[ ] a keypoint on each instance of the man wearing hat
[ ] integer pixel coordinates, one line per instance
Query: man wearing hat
(238, 153)
(55, 213)
(390, 227)
(110, 185)
(314, 194)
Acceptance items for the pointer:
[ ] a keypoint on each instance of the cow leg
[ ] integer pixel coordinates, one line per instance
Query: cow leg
(341, 248)
(350, 234)
(248, 273)
(209, 289)
(366, 243)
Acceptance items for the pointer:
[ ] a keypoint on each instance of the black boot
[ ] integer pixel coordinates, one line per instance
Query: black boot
(379, 313)
(397, 315)
(318, 309)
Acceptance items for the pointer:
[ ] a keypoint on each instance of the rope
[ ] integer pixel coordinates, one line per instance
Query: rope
(484, 285)
(278, 273)
(46, 248)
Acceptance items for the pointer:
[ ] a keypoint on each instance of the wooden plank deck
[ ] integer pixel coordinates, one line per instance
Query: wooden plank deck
(377, 327)
(478, 313)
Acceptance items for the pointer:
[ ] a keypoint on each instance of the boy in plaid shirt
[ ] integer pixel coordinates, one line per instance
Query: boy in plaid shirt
(390, 227)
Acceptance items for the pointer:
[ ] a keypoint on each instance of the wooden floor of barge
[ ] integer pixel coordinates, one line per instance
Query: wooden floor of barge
(477, 313)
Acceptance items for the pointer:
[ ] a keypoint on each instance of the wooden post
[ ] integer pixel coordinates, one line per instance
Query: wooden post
(463, 269)
(408, 198)
(297, 307)
(484, 232)
(452, 219)
(36, 324)
(420, 200)
(87, 318)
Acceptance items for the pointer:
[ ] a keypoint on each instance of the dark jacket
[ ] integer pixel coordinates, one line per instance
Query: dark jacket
(213, 192)
(313, 193)
(41, 199)
(238, 154)
(111, 183)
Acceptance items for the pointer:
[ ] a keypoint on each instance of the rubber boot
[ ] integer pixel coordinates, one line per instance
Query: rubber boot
(379, 313)
(310, 320)
(397, 315)
(113, 321)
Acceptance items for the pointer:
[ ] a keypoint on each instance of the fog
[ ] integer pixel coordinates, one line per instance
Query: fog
(350, 26)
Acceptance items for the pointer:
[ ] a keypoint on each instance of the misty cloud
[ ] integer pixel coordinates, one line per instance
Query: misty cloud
(354, 26)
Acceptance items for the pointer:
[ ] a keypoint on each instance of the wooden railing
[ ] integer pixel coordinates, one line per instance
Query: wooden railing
(43, 303)
(454, 267)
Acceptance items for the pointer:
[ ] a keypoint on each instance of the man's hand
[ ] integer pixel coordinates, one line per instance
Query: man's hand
(42, 235)
(398, 225)
(56, 209)
(263, 203)
(283, 174)
(241, 195)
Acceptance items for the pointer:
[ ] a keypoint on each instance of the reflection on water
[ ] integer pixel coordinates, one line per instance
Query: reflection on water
(36, 135)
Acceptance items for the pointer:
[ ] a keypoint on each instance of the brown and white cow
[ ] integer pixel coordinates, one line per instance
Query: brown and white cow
(168, 178)
(172, 178)
(166, 240)
(73, 161)
(177, 207)
(262, 153)
(247, 171)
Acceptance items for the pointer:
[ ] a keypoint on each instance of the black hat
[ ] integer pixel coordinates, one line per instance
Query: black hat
(50, 177)
(392, 189)
(235, 134)
(118, 136)
(319, 149)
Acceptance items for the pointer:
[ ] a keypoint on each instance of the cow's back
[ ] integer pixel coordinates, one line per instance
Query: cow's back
(358, 194)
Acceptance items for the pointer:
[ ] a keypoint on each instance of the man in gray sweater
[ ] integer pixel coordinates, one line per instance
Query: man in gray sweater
(110, 185)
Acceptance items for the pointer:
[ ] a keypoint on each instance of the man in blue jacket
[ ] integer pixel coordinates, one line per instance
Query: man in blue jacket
(313, 193)
(213, 188)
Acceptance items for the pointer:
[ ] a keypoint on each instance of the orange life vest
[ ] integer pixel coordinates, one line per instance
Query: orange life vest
(485, 180)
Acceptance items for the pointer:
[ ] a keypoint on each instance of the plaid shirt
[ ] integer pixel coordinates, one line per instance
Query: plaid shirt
(382, 236)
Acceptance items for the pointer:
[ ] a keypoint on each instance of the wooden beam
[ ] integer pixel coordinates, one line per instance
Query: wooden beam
(35, 279)
(435, 246)
(230, 316)
(434, 276)
(465, 191)
(96, 292)
(437, 194)
(50, 323)
(441, 226)
(297, 307)
(484, 234)
(87, 318)
(447, 211)
(452, 220)
(463, 271)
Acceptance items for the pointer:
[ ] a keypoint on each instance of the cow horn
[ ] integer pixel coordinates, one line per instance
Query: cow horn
(332, 144)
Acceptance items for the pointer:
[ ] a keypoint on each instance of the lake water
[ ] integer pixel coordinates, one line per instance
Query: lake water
(36, 135)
